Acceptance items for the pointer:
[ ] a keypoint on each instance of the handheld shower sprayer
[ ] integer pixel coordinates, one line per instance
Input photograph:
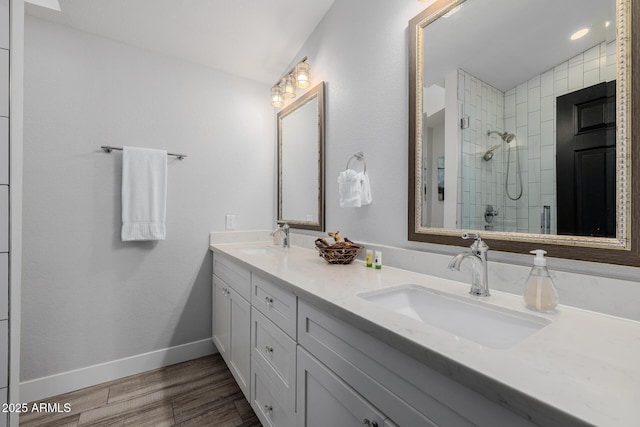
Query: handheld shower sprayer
(508, 138)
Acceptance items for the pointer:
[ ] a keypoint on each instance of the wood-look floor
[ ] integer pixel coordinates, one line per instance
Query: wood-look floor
(200, 392)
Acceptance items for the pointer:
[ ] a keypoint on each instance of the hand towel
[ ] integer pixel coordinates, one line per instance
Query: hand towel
(365, 192)
(350, 188)
(144, 194)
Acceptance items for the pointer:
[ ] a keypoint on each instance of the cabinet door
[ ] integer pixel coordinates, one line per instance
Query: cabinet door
(323, 399)
(240, 346)
(221, 320)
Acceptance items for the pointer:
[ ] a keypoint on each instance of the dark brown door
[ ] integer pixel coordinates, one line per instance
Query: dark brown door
(586, 161)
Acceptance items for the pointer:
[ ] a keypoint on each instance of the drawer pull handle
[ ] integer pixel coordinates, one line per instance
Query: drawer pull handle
(366, 422)
(225, 291)
(268, 409)
(268, 301)
(268, 349)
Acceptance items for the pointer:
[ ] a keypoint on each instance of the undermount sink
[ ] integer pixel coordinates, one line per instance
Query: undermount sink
(490, 326)
(256, 251)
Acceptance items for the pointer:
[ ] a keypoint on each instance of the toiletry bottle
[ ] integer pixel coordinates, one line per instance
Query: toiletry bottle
(378, 260)
(540, 293)
(369, 258)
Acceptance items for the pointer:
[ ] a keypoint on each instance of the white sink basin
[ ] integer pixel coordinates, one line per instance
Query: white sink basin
(484, 324)
(256, 251)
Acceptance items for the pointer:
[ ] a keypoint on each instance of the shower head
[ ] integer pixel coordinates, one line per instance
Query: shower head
(506, 136)
(488, 155)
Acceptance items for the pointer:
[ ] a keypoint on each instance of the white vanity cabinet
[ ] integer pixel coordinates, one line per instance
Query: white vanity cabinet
(231, 320)
(300, 366)
(326, 400)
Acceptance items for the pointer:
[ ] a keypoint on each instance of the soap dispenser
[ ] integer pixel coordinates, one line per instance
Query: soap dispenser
(540, 293)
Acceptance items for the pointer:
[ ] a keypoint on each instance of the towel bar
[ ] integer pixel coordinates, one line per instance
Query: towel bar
(108, 149)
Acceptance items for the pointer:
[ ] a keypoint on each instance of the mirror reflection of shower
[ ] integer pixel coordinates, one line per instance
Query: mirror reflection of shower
(507, 138)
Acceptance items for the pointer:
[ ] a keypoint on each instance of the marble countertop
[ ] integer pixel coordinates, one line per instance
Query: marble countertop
(582, 368)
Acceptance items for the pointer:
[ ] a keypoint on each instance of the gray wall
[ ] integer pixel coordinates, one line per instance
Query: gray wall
(87, 297)
(361, 50)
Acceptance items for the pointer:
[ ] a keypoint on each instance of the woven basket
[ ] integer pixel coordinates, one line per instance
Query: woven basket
(339, 255)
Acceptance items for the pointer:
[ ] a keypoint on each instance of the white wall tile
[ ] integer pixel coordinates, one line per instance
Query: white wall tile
(534, 98)
(547, 157)
(562, 87)
(547, 109)
(547, 186)
(4, 353)
(591, 77)
(4, 82)
(4, 286)
(576, 77)
(533, 122)
(546, 84)
(547, 134)
(521, 93)
(4, 24)
(561, 71)
(4, 150)
(4, 218)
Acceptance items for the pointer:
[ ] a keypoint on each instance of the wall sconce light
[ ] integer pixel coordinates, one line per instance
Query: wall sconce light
(277, 99)
(302, 75)
(297, 77)
(289, 87)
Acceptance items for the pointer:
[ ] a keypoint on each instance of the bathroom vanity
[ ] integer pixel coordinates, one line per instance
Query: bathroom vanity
(316, 344)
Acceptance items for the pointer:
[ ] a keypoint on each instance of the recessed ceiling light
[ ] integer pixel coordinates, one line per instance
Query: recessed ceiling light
(607, 24)
(452, 11)
(579, 34)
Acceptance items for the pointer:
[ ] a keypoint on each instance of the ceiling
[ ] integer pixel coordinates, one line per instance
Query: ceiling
(256, 39)
(506, 42)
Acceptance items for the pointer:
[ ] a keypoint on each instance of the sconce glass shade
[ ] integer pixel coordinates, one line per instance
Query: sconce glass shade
(302, 75)
(276, 96)
(289, 87)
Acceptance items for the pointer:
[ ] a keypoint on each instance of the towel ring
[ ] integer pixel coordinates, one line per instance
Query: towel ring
(358, 156)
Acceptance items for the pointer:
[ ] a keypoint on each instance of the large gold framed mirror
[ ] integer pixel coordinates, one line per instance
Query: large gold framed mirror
(301, 161)
(521, 126)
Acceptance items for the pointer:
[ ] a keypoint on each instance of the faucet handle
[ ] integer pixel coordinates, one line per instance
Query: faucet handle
(465, 235)
(479, 244)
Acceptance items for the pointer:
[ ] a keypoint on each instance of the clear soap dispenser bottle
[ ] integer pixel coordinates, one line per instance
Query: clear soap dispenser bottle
(540, 293)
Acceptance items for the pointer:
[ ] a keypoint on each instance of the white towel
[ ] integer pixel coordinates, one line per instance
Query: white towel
(349, 188)
(365, 194)
(354, 189)
(144, 194)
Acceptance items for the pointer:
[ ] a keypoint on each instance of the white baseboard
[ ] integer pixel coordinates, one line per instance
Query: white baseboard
(65, 382)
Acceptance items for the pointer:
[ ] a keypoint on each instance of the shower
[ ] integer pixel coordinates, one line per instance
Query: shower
(508, 138)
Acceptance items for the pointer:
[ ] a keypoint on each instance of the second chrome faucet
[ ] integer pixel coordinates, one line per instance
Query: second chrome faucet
(478, 255)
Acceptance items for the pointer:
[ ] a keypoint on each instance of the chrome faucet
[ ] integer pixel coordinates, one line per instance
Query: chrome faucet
(283, 228)
(478, 254)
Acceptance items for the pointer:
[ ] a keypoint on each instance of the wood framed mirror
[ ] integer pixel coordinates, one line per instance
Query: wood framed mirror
(301, 161)
(523, 134)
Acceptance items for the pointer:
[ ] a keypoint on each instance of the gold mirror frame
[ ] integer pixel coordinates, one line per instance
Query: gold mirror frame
(315, 93)
(624, 249)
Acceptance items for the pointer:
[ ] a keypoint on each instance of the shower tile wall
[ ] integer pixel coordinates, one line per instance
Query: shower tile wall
(481, 180)
(529, 112)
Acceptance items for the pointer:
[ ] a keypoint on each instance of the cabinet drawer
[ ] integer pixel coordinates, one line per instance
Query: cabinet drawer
(277, 304)
(267, 399)
(407, 391)
(233, 274)
(276, 352)
(325, 400)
